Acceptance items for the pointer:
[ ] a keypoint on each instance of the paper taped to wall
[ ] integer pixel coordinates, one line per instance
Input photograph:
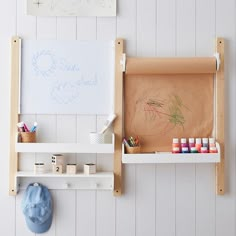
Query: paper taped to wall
(71, 7)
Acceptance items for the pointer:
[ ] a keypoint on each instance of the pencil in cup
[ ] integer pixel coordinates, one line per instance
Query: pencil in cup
(132, 150)
(28, 137)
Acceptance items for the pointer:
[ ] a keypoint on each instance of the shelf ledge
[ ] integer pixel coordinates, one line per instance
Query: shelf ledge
(66, 147)
(80, 181)
(168, 157)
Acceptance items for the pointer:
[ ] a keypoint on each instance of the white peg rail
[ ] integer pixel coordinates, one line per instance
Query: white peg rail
(80, 181)
(168, 157)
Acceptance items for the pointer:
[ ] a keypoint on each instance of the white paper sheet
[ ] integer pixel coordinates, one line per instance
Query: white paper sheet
(71, 7)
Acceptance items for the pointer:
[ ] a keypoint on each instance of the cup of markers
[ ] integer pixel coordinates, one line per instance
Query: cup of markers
(26, 135)
(132, 145)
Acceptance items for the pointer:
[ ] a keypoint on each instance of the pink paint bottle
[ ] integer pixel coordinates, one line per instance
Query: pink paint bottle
(198, 144)
(212, 142)
(204, 150)
(175, 145)
(213, 150)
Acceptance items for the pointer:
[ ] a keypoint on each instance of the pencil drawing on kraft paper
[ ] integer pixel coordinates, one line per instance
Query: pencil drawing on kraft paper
(169, 110)
(160, 114)
(158, 109)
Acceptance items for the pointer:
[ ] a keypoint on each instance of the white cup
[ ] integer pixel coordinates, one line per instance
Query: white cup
(96, 138)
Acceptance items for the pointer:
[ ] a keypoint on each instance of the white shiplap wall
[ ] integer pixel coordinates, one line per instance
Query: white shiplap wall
(158, 200)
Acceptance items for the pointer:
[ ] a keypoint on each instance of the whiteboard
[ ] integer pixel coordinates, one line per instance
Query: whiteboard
(67, 77)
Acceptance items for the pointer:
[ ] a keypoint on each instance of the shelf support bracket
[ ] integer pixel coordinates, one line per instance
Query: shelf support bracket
(118, 129)
(220, 187)
(14, 114)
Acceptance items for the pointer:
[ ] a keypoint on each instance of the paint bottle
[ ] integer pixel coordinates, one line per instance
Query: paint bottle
(183, 142)
(205, 142)
(193, 150)
(212, 142)
(191, 143)
(184, 150)
(198, 144)
(175, 145)
(213, 150)
(184, 145)
(204, 150)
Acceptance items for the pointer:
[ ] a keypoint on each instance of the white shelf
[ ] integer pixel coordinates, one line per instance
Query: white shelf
(168, 157)
(79, 181)
(66, 147)
(98, 181)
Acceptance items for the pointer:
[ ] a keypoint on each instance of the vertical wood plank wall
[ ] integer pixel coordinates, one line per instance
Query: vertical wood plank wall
(157, 200)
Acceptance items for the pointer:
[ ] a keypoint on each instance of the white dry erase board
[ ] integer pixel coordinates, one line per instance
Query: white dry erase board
(67, 77)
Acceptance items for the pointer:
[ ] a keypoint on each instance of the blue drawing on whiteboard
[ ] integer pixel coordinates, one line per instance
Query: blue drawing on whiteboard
(68, 92)
(44, 63)
(64, 92)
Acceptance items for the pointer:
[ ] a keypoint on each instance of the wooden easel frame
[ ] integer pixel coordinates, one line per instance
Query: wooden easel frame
(118, 125)
(14, 117)
(14, 113)
(219, 115)
(220, 94)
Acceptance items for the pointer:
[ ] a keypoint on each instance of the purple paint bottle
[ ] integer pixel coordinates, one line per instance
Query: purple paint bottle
(184, 145)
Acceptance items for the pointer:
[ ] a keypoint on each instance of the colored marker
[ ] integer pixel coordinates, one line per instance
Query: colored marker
(26, 128)
(126, 143)
(34, 127)
(20, 126)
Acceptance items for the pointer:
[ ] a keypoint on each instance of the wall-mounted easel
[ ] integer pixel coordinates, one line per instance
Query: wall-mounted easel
(121, 68)
(19, 179)
(156, 65)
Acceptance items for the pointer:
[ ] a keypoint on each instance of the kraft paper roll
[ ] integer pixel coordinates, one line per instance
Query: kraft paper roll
(160, 107)
(150, 66)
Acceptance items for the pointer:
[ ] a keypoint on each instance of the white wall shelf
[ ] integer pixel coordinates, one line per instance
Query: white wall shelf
(66, 147)
(168, 157)
(80, 181)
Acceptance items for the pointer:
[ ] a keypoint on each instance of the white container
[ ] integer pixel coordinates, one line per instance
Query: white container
(71, 169)
(57, 169)
(96, 138)
(39, 168)
(57, 159)
(89, 168)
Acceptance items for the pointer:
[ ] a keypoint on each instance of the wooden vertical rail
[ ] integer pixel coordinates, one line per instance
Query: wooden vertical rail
(118, 129)
(14, 103)
(220, 187)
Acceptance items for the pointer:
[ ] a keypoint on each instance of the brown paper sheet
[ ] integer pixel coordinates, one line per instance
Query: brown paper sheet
(193, 65)
(161, 107)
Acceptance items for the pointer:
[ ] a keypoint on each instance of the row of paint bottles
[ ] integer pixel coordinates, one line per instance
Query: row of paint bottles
(200, 145)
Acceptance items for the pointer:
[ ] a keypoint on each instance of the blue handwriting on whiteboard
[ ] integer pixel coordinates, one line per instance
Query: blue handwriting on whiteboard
(67, 92)
(45, 64)
(64, 65)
